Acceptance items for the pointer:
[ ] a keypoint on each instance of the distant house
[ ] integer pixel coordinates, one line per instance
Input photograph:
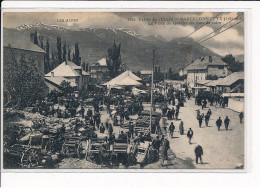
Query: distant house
(183, 70)
(98, 71)
(205, 66)
(69, 71)
(54, 83)
(232, 83)
(146, 75)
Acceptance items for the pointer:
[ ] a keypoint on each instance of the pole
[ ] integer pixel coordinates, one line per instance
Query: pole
(152, 92)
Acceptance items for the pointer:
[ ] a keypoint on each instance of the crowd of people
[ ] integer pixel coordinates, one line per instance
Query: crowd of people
(120, 107)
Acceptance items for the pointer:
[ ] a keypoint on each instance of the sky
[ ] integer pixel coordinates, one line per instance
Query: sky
(176, 24)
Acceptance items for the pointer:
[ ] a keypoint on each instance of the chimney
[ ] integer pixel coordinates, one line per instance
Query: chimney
(52, 74)
(210, 59)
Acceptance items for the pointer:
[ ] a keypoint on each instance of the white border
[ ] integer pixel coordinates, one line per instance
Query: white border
(153, 6)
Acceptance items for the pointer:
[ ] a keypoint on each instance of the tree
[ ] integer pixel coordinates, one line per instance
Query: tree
(59, 50)
(35, 38)
(23, 84)
(114, 60)
(234, 65)
(47, 67)
(64, 51)
(53, 61)
(41, 42)
(77, 58)
(66, 87)
(69, 51)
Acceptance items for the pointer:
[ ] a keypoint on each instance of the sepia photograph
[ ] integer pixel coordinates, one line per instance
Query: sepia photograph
(123, 90)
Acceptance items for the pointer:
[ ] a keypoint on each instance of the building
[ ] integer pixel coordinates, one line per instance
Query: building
(232, 83)
(98, 71)
(69, 71)
(54, 83)
(22, 48)
(205, 67)
(146, 76)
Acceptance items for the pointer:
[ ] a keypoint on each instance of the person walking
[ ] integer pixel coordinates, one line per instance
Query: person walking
(156, 145)
(181, 128)
(190, 135)
(164, 150)
(200, 118)
(198, 153)
(219, 123)
(110, 129)
(102, 128)
(241, 116)
(207, 119)
(226, 122)
(82, 112)
(171, 129)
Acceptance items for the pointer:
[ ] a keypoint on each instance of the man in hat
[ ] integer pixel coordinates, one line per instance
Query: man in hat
(198, 153)
(219, 123)
(226, 122)
(190, 135)
(171, 129)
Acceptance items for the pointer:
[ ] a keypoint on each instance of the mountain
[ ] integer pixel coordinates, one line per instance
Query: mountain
(136, 50)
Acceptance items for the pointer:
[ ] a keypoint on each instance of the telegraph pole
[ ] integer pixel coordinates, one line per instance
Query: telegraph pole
(152, 92)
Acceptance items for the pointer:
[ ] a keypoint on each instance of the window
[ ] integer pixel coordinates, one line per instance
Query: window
(220, 67)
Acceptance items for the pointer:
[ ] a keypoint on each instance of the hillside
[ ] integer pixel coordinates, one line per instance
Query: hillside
(136, 50)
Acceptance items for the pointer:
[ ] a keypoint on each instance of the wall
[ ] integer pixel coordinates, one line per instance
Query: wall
(198, 75)
(214, 70)
(30, 56)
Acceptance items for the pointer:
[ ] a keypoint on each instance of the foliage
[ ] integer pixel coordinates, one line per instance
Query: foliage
(35, 40)
(47, 64)
(23, 83)
(66, 87)
(59, 50)
(69, 51)
(64, 52)
(234, 65)
(158, 75)
(76, 57)
(212, 77)
(114, 60)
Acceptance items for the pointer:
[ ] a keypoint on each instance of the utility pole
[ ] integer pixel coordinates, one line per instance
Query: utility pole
(152, 92)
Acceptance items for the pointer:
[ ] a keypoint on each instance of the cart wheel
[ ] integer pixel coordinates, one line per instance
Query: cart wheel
(30, 158)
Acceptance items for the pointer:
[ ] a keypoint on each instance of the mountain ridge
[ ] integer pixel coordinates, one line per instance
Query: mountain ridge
(136, 50)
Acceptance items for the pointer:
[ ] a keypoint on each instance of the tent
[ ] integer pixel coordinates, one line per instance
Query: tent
(125, 79)
(128, 81)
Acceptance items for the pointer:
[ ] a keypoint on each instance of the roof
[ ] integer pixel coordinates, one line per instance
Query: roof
(73, 65)
(11, 40)
(146, 72)
(127, 78)
(233, 94)
(58, 80)
(204, 62)
(103, 62)
(203, 82)
(129, 73)
(63, 70)
(85, 73)
(227, 81)
(128, 81)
